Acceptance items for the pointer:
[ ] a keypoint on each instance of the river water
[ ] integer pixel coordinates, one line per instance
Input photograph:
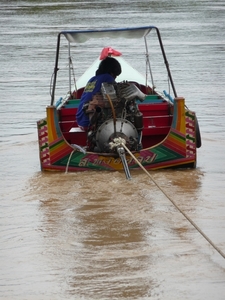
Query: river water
(94, 235)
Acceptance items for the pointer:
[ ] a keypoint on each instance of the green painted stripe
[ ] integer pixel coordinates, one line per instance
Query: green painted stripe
(56, 144)
(190, 115)
(178, 136)
(163, 154)
(74, 103)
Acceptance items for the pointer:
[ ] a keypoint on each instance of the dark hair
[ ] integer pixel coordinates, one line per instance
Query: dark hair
(109, 65)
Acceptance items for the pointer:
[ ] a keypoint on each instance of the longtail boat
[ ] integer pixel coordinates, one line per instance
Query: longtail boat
(157, 128)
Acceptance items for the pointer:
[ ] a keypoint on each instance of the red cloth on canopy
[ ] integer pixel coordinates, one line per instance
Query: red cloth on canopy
(108, 51)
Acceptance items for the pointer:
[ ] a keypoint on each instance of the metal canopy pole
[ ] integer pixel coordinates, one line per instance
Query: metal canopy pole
(55, 70)
(69, 66)
(166, 62)
(148, 65)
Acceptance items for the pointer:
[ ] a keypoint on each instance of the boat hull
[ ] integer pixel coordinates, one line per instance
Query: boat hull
(177, 149)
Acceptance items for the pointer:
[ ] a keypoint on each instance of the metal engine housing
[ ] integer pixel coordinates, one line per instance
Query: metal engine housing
(124, 129)
(114, 113)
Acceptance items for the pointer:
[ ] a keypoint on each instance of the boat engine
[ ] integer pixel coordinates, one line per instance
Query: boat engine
(114, 113)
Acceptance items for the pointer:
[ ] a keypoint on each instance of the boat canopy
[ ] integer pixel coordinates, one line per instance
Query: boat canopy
(81, 36)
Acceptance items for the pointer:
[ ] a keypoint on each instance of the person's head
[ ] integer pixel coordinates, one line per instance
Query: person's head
(109, 65)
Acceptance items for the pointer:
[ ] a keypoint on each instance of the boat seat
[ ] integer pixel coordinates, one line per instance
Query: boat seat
(156, 131)
(76, 136)
(157, 121)
(67, 125)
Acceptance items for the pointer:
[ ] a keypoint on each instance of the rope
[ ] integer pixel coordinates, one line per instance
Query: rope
(121, 142)
(76, 148)
(68, 162)
(113, 112)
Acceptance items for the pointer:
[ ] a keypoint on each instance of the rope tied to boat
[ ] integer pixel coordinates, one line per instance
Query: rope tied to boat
(121, 142)
(75, 148)
(118, 141)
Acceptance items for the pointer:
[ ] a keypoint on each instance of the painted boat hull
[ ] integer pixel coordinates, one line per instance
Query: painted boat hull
(177, 149)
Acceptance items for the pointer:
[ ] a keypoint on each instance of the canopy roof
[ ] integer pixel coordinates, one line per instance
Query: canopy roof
(81, 36)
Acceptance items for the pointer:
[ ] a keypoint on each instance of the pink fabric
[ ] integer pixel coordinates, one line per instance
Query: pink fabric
(108, 51)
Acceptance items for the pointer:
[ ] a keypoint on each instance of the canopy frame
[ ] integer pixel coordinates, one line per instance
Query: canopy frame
(81, 36)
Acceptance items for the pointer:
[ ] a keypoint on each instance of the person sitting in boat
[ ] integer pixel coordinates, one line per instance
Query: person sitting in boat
(109, 68)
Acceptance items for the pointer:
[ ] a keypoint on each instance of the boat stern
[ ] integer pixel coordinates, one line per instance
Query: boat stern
(52, 145)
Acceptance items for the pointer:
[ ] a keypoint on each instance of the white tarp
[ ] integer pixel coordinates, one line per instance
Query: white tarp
(81, 36)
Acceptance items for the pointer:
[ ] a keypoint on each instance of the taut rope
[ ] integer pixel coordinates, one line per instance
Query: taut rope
(113, 112)
(121, 142)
